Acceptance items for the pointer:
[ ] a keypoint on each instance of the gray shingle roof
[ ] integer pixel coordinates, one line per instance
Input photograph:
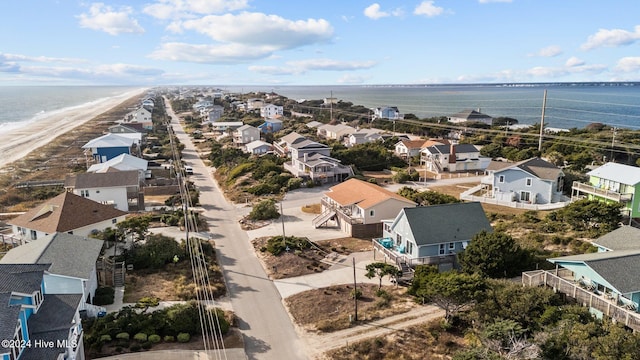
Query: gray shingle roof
(8, 317)
(102, 180)
(623, 238)
(446, 223)
(621, 173)
(23, 278)
(69, 255)
(542, 169)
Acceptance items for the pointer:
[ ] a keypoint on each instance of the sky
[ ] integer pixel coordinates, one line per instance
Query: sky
(323, 42)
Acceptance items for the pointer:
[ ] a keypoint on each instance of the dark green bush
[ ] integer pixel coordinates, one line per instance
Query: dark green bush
(123, 336)
(154, 338)
(183, 337)
(104, 296)
(264, 210)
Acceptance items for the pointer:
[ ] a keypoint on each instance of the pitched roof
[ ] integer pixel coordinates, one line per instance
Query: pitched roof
(122, 162)
(8, 317)
(22, 278)
(307, 144)
(622, 238)
(246, 127)
(471, 115)
(109, 140)
(362, 193)
(52, 323)
(292, 138)
(458, 148)
(102, 180)
(256, 144)
(625, 174)
(69, 255)
(536, 166)
(65, 213)
(620, 268)
(445, 223)
(413, 144)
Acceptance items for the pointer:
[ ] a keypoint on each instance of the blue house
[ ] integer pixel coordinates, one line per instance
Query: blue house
(271, 126)
(107, 147)
(431, 234)
(28, 316)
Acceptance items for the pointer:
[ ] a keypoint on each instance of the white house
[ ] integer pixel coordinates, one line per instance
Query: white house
(255, 103)
(258, 147)
(271, 111)
(122, 162)
(335, 132)
(312, 160)
(120, 189)
(214, 113)
(387, 112)
(73, 263)
(453, 157)
(68, 213)
(470, 116)
(141, 116)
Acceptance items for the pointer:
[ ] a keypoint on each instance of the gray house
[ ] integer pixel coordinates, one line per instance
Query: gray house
(431, 234)
(532, 181)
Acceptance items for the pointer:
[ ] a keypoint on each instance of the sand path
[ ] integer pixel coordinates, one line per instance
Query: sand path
(18, 143)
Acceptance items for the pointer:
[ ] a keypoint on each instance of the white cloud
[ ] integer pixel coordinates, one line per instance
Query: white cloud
(428, 9)
(47, 59)
(549, 51)
(574, 61)
(210, 54)
(175, 9)
(628, 64)
(373, 12)
(611, 38)
(103, 18)
(303, 66)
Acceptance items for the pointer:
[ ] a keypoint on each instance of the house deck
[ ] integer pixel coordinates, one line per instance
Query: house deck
(579, 187)
(562, 282)
(399, 258)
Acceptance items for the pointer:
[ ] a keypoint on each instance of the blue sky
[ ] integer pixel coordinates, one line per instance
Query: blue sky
(328, 42)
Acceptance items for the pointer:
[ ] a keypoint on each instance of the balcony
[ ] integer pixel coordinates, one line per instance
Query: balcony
(620, 309)
(397, 257)
(579, 187)
(343, 213)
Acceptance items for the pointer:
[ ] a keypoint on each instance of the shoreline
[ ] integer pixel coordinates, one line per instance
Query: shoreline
(17, 143)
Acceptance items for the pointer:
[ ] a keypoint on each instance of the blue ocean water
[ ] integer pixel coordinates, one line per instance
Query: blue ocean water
(568, 105)
(24, 104)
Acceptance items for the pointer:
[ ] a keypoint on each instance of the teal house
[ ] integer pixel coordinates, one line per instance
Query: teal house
(612, 182)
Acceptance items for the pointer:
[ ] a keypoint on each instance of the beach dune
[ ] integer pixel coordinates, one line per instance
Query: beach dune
(16, 144)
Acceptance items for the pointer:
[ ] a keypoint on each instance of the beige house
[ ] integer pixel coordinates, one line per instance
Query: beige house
(358, 207)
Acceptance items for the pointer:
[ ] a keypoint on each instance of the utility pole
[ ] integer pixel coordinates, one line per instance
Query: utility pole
(331, 107)
(355, 290)
(284, 238)
(544, 105)
(613, 140)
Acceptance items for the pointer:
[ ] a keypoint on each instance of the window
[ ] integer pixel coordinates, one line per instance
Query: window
(34, 235)
(529, 181)
(398, 239)
(409, 247)
(372, 212)
(84, 193)
(452, 246)
(442, 249)
(501, 178)
(113, 221)
(525, 196)
(387, 227)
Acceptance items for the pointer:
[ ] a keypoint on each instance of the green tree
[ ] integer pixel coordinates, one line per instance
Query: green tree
(493, 254)
(598, 217)
(450, 291)
(135, 226)
(381, 270)
(264, 210)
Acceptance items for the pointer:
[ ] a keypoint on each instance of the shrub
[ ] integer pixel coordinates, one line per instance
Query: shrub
(105, 338)
(355, 294)
(169, 338)
(141, 337)
(147, 301)
(294, 183)
(135, 348)
(184, 337)
(264, 210)
(146, 345)
(104, 296)
(122, 336)
(154, 338)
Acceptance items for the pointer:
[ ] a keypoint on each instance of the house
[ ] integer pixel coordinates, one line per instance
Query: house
(407, 149)
(222, 126)
(258, 147)
(214, 113)
(387, 113)
(122, 162)
(255, 103)
(311, 160)
(120, 189)
(283, 146)
(140, 116)
(132, 130)
(72, 261)
(453, 157)
(358, 207)
(362, 136)
(335, 132)
(270, 126)
(28, 314)
(431, 234)
(612, 182)
(271, 111)
(329, 101)
(67, 213)
(313, 124)
(245, 134)
(470, 116)
(108, 146)
(533, 181)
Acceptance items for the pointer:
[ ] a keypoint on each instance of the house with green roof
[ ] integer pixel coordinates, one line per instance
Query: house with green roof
(431, 234)
(612, 182)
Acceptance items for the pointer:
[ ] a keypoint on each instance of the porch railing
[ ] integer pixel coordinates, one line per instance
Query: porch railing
(585, 297)
(608, 194)
(398, 258)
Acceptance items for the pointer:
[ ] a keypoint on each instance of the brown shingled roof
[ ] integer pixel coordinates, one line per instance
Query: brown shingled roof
(366, 195)
(64, 213)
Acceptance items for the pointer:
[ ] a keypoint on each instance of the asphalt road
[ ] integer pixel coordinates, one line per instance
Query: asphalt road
(265, 324)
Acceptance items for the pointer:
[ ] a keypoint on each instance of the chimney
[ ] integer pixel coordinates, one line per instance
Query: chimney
(452, 154)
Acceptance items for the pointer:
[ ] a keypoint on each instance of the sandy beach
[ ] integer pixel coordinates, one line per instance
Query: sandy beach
(18, 143)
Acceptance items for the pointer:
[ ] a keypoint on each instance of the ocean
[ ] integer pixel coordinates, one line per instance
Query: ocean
(568, 105)
(20, 105)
